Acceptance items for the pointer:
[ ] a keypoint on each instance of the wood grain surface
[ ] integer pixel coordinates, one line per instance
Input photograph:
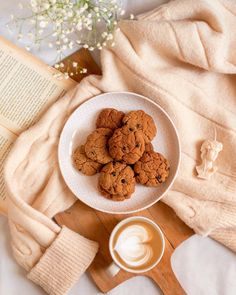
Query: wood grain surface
(85, 60)
(97, 226)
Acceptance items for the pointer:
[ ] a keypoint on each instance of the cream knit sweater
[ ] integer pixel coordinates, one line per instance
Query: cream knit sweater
(183, 56)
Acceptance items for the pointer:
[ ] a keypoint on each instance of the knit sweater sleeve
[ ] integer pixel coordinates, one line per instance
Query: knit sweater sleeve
(54, 257)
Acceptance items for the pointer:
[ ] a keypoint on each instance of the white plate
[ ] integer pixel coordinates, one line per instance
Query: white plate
(82, 122)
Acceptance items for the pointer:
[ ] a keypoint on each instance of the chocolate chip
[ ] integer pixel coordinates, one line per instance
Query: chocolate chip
(137, 145)
(113, 174)
(123, 180)
(131, 129)
(124, 148)
(159, 178)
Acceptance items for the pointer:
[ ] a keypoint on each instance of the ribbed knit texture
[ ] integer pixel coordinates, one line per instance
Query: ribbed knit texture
(182, 56)
(63, 262)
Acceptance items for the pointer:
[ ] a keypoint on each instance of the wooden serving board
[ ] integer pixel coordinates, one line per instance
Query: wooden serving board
(97, 226)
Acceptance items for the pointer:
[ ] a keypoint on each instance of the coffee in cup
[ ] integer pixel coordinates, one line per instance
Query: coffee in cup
(136, 245)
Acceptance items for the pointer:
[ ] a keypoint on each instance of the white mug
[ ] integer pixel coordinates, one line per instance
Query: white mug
(116, 266)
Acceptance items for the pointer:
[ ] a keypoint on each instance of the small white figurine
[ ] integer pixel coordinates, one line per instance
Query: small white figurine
(209, 153)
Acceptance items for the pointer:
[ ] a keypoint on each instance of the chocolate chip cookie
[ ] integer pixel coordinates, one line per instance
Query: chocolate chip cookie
(96, 145)
(126, 146)
(110, 118)
(152, 169)
(116, 181)
(140, 121)
(83, 163)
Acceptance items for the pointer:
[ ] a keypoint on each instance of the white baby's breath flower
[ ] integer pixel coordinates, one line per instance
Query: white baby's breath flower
(70, 13)
(109, 36)
(45, 6)
(131, 16)
(66, 24)
(104, 34)
(79, 27)
(66, 75)
(34, 3)
(43, 24)
(122, 12)
(71, 45)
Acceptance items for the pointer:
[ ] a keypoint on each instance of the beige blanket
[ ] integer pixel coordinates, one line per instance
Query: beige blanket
(181, 55)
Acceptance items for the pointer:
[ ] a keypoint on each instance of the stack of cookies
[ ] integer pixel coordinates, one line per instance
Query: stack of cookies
(121, 150)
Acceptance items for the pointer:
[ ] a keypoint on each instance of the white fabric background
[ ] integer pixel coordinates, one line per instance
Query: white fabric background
(202, 266)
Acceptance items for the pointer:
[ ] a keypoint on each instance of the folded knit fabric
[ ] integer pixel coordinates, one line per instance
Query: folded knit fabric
(181, 55)
(54, 257)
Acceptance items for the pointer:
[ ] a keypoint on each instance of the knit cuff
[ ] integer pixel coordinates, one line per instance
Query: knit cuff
(63, 262)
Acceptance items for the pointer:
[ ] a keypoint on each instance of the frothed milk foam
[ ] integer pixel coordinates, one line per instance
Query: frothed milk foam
(137, 245)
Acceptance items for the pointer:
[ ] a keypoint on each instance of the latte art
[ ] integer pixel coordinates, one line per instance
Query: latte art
(133, 245)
